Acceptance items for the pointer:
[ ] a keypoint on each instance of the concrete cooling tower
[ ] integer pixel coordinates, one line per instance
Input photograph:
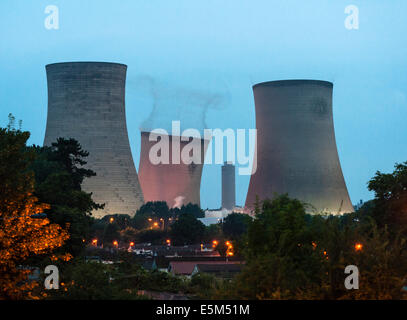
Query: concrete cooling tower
(296, 148)
(175, 182)
(86, 102)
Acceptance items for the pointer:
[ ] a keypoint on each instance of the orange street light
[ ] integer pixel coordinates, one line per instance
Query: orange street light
(227, 243)
(149, 219)
(168, 241)
(111, 220)
(358, 246)
(95, 242)
(155, 224)
(115, 243)
(131, 244)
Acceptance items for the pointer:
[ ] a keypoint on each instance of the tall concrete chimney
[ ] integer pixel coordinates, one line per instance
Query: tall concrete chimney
(228, 186)
(86, 102)
(296, 148)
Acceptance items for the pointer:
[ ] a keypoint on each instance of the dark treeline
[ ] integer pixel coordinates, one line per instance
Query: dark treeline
(289, 254)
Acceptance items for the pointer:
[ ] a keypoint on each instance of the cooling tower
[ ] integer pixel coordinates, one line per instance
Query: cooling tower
(296, 148)
(175, 182)
(228, 186)
(86, 102)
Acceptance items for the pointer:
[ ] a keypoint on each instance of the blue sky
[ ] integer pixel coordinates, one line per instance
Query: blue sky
(229, 45)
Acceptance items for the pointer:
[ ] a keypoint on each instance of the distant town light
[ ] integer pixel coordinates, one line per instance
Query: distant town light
(111, 220)
(115, 243)
(358, 246)
(95, 242)
(131, 244)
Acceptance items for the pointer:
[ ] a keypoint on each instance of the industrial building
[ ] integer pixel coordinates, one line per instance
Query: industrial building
(228, 186)
(86, 101)
(175, 182)
(296, 147)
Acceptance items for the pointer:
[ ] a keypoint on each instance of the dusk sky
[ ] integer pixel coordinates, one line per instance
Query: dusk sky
(223, 47)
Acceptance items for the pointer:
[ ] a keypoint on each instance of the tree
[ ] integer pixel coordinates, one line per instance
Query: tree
(21, 234)
(84, 281)
(70, 154)
(190, 208)
(121, 220)
(281, 260)
(111, 233)
(187, 230)
(158, 209)
(390, 198)
(59, 175)
(213, 232)
(235, 225)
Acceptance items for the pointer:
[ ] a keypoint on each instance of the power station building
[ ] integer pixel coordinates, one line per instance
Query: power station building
(176, 182)
(86, 101)
(228, 186)
(296, 147)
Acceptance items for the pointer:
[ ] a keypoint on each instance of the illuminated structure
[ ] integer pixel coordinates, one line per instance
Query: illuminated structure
(296, 148)
(175, 182)
(86, 102)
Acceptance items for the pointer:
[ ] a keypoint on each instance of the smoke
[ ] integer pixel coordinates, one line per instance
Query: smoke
(178, 202)
(177, 102)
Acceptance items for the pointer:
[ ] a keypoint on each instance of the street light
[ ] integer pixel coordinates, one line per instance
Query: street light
(111, 220)
(95, 242)
(115, 243)
(358, 246)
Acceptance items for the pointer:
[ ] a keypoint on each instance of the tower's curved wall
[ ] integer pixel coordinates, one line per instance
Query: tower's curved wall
(86, 101)
(175, 183)
(296, 148)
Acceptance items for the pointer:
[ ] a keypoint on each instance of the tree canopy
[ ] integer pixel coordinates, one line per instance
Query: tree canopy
(21, 234)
